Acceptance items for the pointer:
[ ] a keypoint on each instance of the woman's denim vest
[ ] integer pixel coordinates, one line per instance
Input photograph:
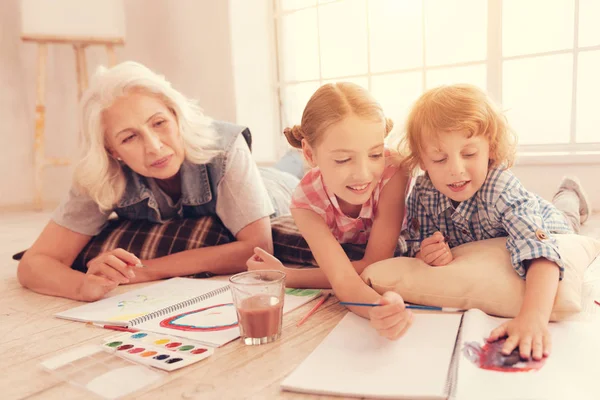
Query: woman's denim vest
(198, 183)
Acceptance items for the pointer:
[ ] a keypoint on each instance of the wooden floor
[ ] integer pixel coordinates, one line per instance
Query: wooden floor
(30, 334)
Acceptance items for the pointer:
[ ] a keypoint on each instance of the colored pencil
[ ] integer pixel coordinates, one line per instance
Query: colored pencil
(409, 306)
(112, 327)
(597, 302)
(312, 311)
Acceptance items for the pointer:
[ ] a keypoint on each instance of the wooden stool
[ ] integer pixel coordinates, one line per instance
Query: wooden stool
(40, 161)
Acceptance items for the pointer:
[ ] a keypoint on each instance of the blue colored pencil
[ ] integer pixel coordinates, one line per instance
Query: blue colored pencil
(410, 306)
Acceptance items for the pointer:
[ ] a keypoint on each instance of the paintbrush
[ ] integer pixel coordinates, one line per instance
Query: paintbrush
(112, 327)
(408, 306)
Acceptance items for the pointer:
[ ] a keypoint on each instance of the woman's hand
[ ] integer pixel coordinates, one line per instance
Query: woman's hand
(435, 251)
(391, 319)
(107, 271)
(263, 260)
(94, 287)
(115, 265)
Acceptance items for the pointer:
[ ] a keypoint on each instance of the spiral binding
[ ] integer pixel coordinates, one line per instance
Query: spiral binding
(453, 368)
(178, 306)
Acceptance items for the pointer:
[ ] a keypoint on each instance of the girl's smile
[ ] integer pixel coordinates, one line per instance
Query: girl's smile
(359, 189)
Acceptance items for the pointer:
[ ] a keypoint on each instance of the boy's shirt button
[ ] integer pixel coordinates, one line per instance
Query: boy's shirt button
(541, 235)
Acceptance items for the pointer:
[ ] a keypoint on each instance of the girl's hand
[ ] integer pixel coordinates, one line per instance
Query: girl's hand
(435, 251)
(391, 319)
(115, 265)
(527, 331)
(263, 260)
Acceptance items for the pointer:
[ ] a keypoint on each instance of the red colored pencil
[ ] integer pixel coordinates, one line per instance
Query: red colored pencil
(312, 311)
(597, 302)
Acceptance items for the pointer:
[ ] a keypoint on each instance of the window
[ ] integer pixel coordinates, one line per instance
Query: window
(539, 59)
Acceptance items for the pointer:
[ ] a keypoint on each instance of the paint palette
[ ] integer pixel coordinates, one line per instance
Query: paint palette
(159, 351)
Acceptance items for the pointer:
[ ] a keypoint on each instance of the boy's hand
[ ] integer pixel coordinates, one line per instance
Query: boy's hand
(527, 331)
(435, 251)
(391, 319)
(263, 260)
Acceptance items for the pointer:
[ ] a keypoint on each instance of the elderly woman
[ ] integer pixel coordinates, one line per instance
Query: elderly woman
(149, 154)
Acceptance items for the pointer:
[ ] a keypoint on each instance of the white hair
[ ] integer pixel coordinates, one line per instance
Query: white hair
(98, 174)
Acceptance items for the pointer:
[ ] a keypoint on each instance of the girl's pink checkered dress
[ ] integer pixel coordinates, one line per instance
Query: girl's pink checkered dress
(311, 194)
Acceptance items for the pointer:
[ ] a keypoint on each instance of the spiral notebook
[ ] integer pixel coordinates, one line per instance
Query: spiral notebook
(445, 356)
(198, 309)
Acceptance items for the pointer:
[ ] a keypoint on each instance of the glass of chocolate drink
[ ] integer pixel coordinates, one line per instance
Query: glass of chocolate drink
(258, 298)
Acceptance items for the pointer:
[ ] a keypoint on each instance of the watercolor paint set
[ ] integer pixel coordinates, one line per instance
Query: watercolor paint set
(91, 368)
(157, 350)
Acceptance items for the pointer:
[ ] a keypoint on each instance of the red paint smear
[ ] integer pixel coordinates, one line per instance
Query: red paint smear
(489, 357)
(487, 354)
(168, 323)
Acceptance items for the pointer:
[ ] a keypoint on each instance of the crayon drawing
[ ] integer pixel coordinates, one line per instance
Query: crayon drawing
(137, 306)
(209, 319)
(127, 304)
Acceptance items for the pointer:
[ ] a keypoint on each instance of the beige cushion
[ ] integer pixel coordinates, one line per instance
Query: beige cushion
(481, 276)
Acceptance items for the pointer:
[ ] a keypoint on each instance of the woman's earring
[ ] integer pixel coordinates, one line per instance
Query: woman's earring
(119, 159)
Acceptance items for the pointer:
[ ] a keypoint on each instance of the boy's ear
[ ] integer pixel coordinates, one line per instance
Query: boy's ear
(308, 153)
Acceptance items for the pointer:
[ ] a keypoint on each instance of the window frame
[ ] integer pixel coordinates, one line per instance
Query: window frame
(571, 152)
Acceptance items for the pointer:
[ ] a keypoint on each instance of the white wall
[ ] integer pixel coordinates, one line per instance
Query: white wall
(255, 74)
(189, 41)
(544, 179)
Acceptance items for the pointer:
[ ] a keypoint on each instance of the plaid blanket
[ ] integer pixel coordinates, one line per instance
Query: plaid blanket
(291, 248)
(148, 240)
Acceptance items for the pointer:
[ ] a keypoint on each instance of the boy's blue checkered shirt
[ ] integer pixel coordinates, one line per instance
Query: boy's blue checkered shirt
(501, 207)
